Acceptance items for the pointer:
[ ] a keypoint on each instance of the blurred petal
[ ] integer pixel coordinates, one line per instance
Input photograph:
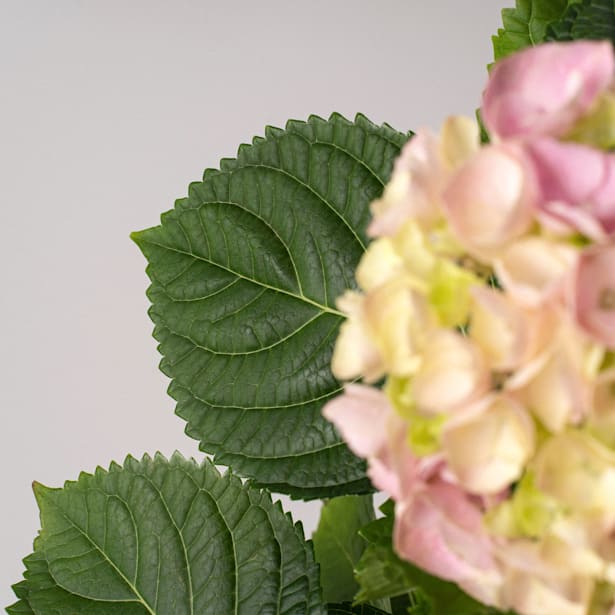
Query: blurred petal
(488, 449)
(459, 139)
(507, 333)
(379, 263)
(576, 185)
(491, 198)
(594, 293)
(398, 319)
(534, 269)
(360, 414)
(579, 471)
(355, 354)
(452, 373)
(544, 89)
(559, 393)
(439, 529)
(532, 595)
(413, 190)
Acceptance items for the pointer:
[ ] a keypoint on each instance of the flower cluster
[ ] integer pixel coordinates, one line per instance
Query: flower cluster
(487, 309)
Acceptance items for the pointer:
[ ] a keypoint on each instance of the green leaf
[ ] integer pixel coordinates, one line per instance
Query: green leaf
(535, 21)
(46, 597)
(21, 607)
(245, 272)
(588, 19)
(526, 24)
(381, 574)
(158, 537)
(347, 608)
(338, 546)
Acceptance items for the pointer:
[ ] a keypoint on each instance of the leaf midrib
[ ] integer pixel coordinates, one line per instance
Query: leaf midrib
(191, 254)
(242, 353)
(132, 587)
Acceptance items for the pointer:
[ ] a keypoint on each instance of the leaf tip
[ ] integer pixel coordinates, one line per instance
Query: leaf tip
(135, 236)
(338, 117)
(138, 237)
(40, 491)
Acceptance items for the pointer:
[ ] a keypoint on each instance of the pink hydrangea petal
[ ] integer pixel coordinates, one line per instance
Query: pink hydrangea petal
(360, 415)
(544, 89)
(440, 529)
(566, 172)
(491, 199)
(604, 197)
(508, 333)
(594, 293)
(561, 219)
(576, 184)
(414, 188)
(393, 469)
(533, 270)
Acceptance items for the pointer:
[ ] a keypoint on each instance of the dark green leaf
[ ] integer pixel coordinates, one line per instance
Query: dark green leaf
(158, 537)
(381, 574)
(46, 597)
(526, 24)
(21, 607)
(245, 272)
(589, 19)
(338, 546)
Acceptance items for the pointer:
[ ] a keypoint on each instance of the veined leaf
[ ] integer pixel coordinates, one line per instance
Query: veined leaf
(158, 537)
(338, 546)
(245, 272)
(535, 21)
(590, 19)
(21, 607)
(526, 24)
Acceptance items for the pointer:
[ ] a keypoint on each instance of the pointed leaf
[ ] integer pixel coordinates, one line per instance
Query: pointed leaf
(245, 272)
(589, 19)
(158, 537)
(338, 546)
(21, 607)
(526, 24)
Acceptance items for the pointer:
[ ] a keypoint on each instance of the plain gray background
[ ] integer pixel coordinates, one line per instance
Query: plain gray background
(108, 109)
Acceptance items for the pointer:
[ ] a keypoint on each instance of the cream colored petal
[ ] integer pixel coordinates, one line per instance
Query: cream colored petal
(459, 139)
(452, 373)
(579, 471)
(601, 421)
(379, 263)
(508, 334)
(355, 354)
(398, 319)
(559, 393)
(530, 595)
(490, 199)
(487, 450)
(413, 191)
(534, 269)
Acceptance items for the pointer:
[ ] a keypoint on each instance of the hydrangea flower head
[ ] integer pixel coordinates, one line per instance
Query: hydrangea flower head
(487, 305)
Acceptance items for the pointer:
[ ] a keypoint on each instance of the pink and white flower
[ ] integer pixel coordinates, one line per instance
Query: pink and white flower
(543, 90)
(491, 199)
(488, 304)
